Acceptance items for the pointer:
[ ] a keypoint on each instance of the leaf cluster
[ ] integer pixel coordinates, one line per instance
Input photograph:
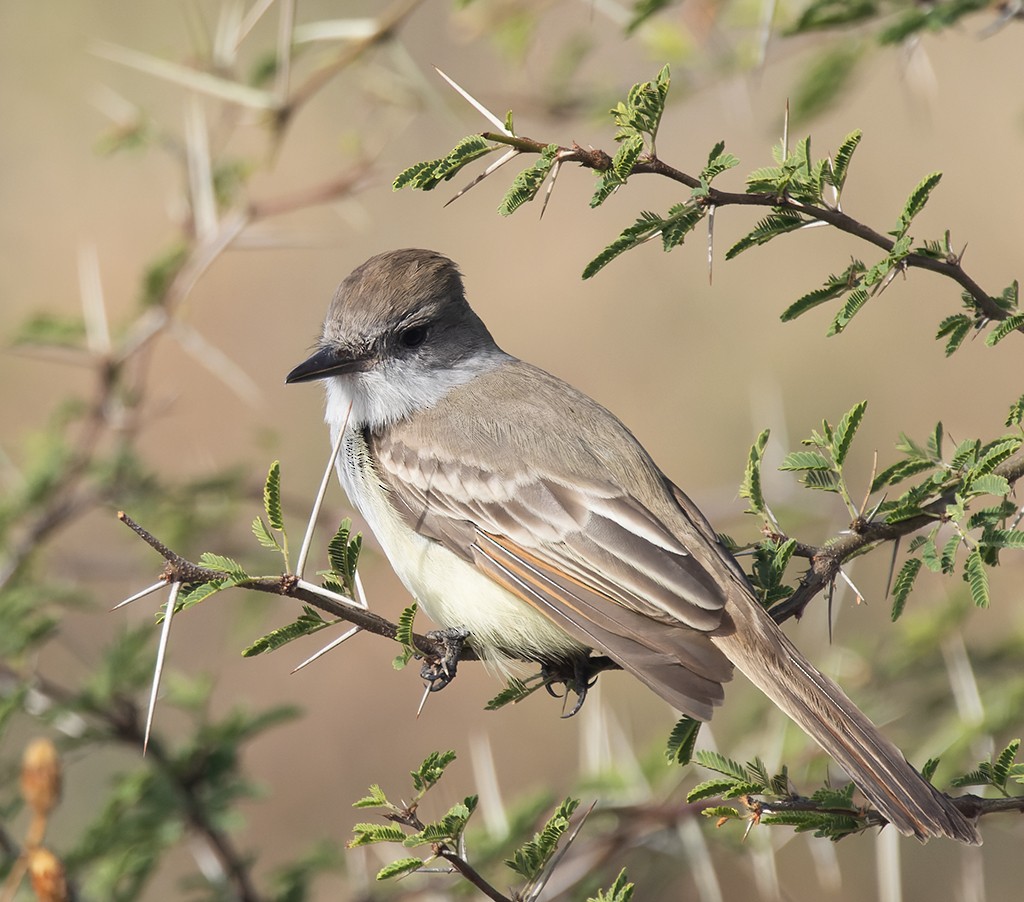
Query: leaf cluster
(997, 773)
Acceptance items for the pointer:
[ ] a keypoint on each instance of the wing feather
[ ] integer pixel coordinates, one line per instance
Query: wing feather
(589, 557)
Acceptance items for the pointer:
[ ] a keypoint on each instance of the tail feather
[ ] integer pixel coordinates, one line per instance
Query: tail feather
(910, 803)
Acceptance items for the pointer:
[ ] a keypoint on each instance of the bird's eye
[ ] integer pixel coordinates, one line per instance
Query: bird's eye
(413, 337)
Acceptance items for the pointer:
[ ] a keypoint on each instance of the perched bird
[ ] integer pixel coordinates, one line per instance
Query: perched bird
(515, 507)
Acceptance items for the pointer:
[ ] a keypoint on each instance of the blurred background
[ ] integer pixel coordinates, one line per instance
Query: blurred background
(95, 200)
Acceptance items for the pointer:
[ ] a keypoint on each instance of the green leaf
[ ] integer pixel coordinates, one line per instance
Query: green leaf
(374, 799)
(404, 635)
(751, 486)
(263, 536)
(515, 691)
(718, 162)
(1004, 538)
(431, 770)
(903, 586)
(272, 497)
(977, 579)
(226, 565)
(857, 299)
(826, 78)
(1001, 767)
(805, 460)
(846, 430)
(367, 834)
(401, 866)
(681, 220)
(308, 622)
(954, 329)
(916, 202)
(682, 740)
(836, 174)
(1007, 327)
(712, 788)
(720, 811)
(720, 764)
(835, 287)
(643, 107)
(989, 484)
(530, 859)
(626, 156)
(343, 554)
(526, 185)
(778, 223)
(647, 225)
(429, 174)
(620, 891)
(51, 329)
(1016, 415)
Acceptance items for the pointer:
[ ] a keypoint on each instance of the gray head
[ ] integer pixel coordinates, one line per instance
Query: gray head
(398, 336)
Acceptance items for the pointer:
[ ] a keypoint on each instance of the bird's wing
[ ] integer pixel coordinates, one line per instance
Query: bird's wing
(586, 554)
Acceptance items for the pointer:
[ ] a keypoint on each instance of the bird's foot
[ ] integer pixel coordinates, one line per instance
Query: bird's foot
(577, 675)
(439, 671)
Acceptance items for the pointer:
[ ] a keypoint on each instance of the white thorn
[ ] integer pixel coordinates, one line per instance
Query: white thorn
(147, 591)
(334, 643)
(161, 651)
(479, 107)
(307, 539)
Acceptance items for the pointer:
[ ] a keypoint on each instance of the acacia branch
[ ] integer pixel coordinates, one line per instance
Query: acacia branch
(600, 161)
(826, 560)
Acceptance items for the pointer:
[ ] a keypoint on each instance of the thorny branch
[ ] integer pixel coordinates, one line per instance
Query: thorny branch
(600, 161)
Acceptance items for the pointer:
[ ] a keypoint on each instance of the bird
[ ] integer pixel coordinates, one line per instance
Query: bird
(522, 514)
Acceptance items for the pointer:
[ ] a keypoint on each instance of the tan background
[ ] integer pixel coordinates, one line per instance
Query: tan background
(695, 370)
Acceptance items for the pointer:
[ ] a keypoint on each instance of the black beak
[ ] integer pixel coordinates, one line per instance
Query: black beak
(327, 362)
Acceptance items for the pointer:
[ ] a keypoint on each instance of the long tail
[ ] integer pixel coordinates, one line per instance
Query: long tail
(772, 663)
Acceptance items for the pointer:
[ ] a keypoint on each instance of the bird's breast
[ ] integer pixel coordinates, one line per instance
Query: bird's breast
(451, 591)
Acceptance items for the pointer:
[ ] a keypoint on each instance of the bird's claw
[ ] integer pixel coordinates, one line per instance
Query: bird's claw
(439, 671)
(577, 675)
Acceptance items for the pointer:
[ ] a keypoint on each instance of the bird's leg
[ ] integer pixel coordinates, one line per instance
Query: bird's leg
(440, 671)
(578, 674)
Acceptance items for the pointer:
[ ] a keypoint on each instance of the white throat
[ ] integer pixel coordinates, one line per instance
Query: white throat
(395, 389)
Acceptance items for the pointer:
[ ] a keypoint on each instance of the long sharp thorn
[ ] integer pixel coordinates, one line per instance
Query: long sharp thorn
(551, 186)
(161, 651)
(334, 643)
(479, 107)
(307, 539)
(147, 591)
(423, 701)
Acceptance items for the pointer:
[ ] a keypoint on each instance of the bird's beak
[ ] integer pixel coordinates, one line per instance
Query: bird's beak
(328, 362)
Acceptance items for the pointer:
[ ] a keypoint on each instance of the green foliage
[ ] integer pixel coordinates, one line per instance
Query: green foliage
(826, 78)
(515, 691)
(530, 859)
(997, 774)
(674, 227)
(527, 183)
(681, 741)
(272, 497)
(751, 485)
(904, 585)
(915, 203)
(768, 571)
(161, 273)
(404, 635)
(307, 623)
(430, 771)
(832, 813)
(343, 554)
(429, 174)
(621, 890)
(51, 329)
